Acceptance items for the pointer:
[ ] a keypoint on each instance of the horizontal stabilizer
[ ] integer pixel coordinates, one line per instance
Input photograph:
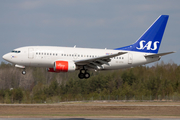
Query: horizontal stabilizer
(159, 54)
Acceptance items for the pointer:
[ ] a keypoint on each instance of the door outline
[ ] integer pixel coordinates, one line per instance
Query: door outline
(30, 53)
(130, 58)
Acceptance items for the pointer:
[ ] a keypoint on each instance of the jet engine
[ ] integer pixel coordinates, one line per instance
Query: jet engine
(62, 66)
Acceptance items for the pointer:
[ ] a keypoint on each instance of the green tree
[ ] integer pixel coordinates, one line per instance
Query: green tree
(128, 77)
(17, 94)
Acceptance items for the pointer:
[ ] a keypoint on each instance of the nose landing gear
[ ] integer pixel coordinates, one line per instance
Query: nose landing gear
(83, 74)
(23, 72)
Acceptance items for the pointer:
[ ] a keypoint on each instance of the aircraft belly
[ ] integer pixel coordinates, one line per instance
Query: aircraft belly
(38, 63)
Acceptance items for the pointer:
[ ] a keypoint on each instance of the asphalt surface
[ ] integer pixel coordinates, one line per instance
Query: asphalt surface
(97, 104)
(89, 119)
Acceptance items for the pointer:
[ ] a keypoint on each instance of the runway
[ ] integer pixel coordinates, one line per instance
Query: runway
(88, 119)
(93, 110)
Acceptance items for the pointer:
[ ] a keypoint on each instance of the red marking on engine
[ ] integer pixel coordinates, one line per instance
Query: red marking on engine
(61, 66)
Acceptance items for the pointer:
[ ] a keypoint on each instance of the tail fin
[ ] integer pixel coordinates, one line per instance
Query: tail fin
(150, 41)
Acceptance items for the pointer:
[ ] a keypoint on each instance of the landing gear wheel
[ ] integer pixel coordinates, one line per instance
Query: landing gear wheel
(81, 75)
(86, 75)
(23, 72)
(83, 71)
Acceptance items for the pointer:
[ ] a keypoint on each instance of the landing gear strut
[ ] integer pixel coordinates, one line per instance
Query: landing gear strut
(83, 74)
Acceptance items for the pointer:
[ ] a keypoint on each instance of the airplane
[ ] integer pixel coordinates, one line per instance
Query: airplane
(66, 59)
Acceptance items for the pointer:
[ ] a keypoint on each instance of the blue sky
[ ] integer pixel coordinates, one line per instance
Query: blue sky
(86, 23)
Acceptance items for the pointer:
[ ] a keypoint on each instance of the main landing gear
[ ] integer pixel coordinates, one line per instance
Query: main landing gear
(83, 74)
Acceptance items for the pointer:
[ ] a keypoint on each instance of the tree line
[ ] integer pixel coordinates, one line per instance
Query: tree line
(142, 82)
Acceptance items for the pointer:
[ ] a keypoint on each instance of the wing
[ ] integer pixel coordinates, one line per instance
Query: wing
(97, 62)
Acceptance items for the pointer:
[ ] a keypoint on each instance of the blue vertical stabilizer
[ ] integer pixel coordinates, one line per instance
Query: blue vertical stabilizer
(150, 41)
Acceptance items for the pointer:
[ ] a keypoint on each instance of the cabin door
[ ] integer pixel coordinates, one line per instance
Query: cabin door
(30, 53)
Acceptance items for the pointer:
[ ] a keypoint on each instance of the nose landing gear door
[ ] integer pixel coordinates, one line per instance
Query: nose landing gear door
(30, 53)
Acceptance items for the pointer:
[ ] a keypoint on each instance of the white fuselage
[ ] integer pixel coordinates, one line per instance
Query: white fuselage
(45, 56)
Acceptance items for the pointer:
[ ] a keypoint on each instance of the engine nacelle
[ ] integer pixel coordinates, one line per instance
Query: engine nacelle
(62, 66)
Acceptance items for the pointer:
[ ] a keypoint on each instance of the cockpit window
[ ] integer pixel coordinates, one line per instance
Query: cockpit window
(14, 51)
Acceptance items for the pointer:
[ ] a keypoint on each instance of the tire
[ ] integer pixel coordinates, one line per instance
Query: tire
(86, 75)
(82, 71)
(81, 75)
(23, 72)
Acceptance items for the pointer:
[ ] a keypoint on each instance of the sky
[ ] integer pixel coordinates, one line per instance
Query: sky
(86, 23)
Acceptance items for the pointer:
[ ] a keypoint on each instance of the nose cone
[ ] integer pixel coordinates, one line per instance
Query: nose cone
(6, 57)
